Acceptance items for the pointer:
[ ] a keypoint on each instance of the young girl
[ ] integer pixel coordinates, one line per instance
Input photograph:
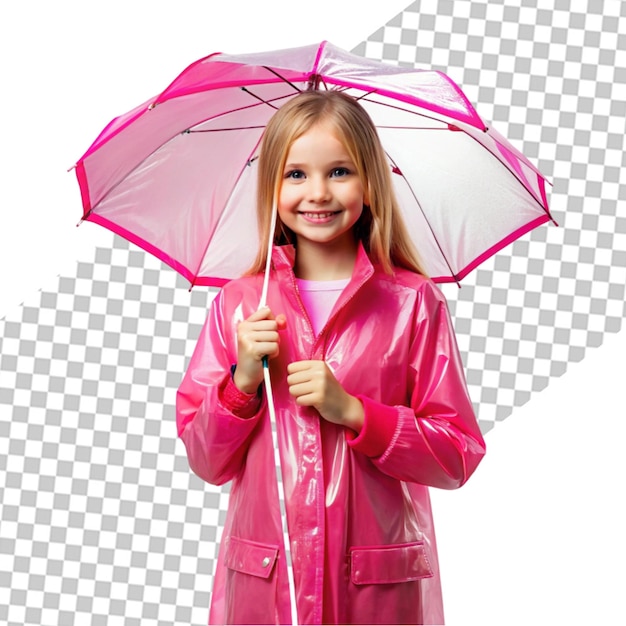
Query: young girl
(370, 398)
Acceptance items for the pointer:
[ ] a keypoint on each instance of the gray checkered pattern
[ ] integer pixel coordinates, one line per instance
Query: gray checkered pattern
(101, 520)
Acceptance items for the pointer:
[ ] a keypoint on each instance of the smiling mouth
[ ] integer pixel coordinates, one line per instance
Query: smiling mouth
(319, 215)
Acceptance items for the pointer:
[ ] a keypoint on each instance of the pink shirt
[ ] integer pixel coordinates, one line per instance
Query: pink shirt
(319, 297)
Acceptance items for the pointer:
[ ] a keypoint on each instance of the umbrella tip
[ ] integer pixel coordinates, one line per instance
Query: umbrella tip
(84, 217)
(314, 82)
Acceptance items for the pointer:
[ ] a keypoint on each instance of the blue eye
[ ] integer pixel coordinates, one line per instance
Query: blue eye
(295, 174)
(340, 171)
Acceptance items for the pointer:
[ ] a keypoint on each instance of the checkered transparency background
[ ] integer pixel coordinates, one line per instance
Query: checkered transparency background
(101, 520)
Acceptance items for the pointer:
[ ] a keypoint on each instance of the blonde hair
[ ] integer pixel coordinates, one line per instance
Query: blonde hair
(380, 228)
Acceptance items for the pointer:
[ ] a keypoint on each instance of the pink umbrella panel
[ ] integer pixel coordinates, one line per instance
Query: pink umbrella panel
(177, 175)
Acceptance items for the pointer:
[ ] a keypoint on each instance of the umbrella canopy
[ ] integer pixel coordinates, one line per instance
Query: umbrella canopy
(177, 174)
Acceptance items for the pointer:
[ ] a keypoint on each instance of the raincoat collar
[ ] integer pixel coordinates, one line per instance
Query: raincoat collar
(284, 260)
(284, 257)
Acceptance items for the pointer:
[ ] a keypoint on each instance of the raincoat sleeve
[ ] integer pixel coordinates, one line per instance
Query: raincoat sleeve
(435, 440)
(215, 420)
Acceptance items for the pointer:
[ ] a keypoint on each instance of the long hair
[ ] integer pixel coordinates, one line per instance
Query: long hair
(380, 228)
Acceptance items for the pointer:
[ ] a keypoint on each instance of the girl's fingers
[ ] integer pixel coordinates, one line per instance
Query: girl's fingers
(258, 336)
(263, 319)
(266, 349)
(313, 383)
(260, 343)
(307, 400)
(256, 351)
(305, 395)
(301, 366)
(261, 325)
(296, 377)
(300, 388)
(308, 377)
(264, 313)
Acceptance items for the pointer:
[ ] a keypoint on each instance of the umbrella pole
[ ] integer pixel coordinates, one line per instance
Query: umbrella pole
(281, 493)
(277, 464)
(270, 245)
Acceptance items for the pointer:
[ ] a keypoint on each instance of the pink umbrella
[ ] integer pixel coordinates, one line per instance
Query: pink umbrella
(177, 174)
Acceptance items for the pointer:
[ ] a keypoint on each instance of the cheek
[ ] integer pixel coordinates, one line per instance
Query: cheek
(283, 215)
(355, 195)
(357, 199)
(284, 212)
(287, 198)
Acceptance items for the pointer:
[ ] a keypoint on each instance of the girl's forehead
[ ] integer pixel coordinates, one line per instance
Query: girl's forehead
(317, 147)
(322, 132)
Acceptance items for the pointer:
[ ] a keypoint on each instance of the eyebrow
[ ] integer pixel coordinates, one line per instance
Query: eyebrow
(330, 165)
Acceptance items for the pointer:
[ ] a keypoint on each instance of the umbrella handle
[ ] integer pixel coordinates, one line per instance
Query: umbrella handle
(281, 492)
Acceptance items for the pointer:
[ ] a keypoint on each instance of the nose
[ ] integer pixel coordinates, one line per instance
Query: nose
(318, 189)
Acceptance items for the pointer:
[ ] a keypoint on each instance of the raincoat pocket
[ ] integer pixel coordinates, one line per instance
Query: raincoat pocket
(251, 557)
(377, 565)
(250, 582)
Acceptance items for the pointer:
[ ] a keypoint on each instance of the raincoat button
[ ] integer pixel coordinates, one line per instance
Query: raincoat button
(266, 561)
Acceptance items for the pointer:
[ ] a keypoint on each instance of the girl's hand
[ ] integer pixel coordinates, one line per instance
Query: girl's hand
(256, 337)
(312, 383)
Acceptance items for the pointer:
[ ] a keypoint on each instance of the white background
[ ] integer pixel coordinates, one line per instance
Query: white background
(537, 535)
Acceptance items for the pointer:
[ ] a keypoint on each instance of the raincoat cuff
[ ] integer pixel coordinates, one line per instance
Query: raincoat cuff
(240, 404)
(379, 426)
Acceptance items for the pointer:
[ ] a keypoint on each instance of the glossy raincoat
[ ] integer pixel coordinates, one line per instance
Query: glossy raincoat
(360, 521)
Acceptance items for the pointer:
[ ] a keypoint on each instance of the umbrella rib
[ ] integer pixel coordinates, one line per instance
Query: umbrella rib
(219, 130)
(367, 93)
(404, 109)
(187, 131)
(248, 162)
(215, 130)
(269, 69)
(498, 158)
(248, 106)
(506, 166)
(259, 98)
(487, 148)
(411, 127)
(398, 171)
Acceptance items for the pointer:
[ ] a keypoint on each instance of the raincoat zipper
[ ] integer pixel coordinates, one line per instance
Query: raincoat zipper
(321, 496)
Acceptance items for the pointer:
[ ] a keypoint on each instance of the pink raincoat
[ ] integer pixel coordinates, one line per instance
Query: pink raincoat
(359, 513)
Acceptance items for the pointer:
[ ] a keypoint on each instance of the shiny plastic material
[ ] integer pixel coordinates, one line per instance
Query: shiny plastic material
(359, 513)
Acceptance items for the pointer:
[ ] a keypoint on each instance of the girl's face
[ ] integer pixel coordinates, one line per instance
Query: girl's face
(321, 196)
